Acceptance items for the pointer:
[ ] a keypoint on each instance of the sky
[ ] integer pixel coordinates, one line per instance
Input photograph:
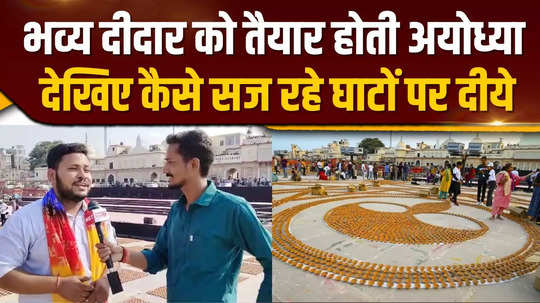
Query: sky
(17, 129)
(308, 140)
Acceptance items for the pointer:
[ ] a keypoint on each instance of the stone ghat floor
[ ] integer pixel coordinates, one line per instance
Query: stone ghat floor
(140, 287)
(311, 229)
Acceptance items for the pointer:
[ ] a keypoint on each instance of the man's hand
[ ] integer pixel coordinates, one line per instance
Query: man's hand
(74, 289)
(107, 249)
(101, 291)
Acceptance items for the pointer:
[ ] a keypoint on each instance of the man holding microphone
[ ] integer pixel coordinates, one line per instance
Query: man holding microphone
(202, 241)
(48, 247)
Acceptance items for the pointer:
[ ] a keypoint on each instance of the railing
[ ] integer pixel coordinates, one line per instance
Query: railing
(227, 159)
(251, 194)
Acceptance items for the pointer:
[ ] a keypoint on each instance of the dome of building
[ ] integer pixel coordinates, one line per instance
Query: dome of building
(139, 148)
(401, 144)
(476, 139)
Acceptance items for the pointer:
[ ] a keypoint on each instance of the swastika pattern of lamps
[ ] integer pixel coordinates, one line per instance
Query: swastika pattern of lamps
(396, 228)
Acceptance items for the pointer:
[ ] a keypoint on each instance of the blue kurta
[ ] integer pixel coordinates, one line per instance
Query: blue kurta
(534, 206)
(202, 248)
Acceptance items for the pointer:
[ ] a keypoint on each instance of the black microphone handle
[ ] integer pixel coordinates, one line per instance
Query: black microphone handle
(112, 276)
(109, 261)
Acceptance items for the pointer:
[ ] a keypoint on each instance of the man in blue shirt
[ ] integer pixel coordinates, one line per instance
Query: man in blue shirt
(203, 239)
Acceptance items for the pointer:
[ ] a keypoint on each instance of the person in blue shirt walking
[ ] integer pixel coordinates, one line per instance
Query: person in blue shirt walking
(203, 239)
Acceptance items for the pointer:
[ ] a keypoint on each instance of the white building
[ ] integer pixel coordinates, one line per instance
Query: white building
(126, 165)
(332, 150)
(40, 174)
(252, 158)
(525, 155)
(236, 155)
(13, 164)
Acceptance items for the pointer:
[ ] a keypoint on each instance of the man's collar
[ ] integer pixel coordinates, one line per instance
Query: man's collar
(207, 196)
(84, 205)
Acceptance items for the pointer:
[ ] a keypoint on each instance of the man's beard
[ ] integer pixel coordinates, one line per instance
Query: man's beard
(65, 193)
(175, 186)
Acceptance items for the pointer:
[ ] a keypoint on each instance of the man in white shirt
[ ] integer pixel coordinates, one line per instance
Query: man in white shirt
(25, 266)
(364, 171)
(455, 186)
(319, 166)
(370, 171)
(3, 212)
(515, 172)
(491, 184)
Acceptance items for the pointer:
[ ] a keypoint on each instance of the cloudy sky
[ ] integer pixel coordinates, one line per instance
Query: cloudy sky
(17, 129)
(315, 139)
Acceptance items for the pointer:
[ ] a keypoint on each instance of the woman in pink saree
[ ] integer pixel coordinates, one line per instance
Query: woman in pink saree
(503, 193)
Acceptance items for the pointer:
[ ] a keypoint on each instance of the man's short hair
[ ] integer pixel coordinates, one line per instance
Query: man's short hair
(194, 144)
(458, 163)
(483, 158)
(55, 154)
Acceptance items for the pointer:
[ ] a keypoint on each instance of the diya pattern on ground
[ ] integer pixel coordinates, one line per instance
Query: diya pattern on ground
(355, 221)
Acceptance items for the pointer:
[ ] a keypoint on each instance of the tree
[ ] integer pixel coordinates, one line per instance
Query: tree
(370, 145)
(38, 155)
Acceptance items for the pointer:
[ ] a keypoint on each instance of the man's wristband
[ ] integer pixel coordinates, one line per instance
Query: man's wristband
(125, 255)
(57, 284)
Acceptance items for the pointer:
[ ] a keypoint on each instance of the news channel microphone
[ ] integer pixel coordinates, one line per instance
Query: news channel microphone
(100, 215)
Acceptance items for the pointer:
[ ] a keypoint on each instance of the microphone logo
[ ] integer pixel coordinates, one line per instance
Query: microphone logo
(89, 218)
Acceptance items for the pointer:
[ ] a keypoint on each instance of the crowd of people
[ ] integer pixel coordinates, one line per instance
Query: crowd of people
(340, 170)
(241, 182)
(495, 182)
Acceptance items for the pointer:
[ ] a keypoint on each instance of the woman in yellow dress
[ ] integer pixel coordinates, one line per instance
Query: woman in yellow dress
(446, 178)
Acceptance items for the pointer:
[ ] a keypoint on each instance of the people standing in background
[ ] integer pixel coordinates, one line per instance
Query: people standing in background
(434, 171)
(405, 171)
(492, 183)
(3, 212)
(455, 186)
(514, 175)
(327, 170)
(534, 206)
(483, 174)
(284, 166)
(530, 180)
(471, 174)
(350, 169)
(503, 193)
(320, 166)
(446, 180)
